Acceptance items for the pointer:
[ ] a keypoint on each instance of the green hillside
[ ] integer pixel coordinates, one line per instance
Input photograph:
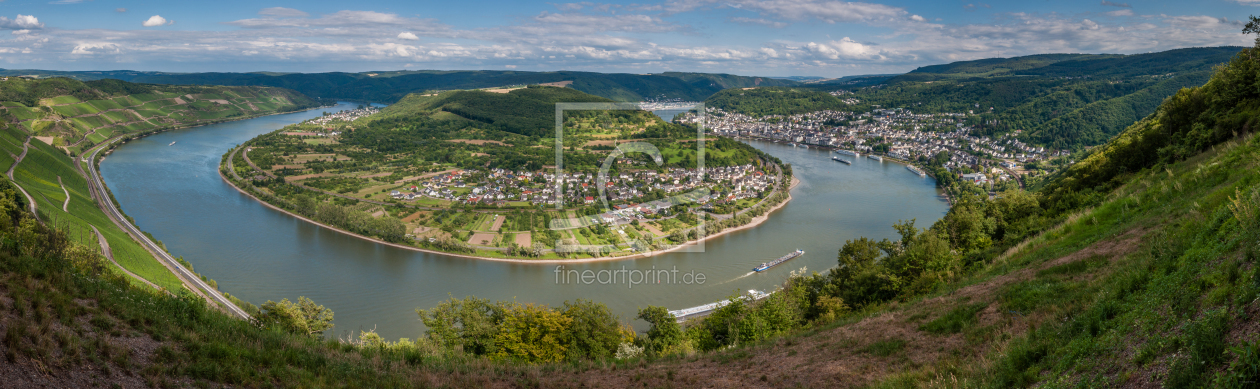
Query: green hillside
(56, 117)
(76, 115)
(775, 101)
(388, 87)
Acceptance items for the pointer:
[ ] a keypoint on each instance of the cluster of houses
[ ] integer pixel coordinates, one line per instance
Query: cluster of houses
(896, 132)
(348, 115)
(500, 186)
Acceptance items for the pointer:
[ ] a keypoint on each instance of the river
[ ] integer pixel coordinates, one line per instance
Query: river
(174, 192)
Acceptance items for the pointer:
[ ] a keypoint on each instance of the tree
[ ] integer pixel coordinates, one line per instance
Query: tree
(1253, 27)
(533, 333)
(664, 332)
(595, 331)
(305, 317)
(470, 324)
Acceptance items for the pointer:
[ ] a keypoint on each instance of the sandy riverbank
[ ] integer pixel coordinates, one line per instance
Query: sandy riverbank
(755, 221)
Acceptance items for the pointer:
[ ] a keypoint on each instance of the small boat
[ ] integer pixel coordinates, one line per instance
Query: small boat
(776, 262)
(841, 160)
(172, 143)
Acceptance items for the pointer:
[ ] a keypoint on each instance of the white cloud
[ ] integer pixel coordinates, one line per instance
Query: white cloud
(844, 48)
(759, 21)
(95, 48)
(156, 20)
(1120, 12)
(824, 10)
(618, 41)
(585, 23)
(282, 12)
(21, 22)
(120, 10)
(1125, 5)
(1249, 2)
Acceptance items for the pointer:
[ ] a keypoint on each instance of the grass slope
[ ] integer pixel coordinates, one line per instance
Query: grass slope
(45, 169)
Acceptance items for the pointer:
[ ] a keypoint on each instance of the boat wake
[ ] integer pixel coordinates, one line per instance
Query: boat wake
(736, 278)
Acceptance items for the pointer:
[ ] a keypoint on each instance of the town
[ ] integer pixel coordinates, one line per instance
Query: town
(719, 186)
(897, 133)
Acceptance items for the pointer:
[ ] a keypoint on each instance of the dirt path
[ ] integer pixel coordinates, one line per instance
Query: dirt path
(66, 205)
(110, 255)
(498, 223)
(25, 147)
(29, 200)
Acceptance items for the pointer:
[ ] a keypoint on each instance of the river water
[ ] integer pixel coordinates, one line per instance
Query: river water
(174, 192)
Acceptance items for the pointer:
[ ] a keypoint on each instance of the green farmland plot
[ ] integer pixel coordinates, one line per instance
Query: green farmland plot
(105, 104)
(62, 100)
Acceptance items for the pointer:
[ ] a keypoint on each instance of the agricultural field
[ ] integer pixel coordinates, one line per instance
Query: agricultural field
(75, 123)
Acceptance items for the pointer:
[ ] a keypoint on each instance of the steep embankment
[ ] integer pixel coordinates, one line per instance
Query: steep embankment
(43, 120)
(1145, 275)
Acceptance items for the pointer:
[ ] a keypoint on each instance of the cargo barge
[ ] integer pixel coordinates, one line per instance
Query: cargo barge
(776, 262)
(683, 314)
(841, 160)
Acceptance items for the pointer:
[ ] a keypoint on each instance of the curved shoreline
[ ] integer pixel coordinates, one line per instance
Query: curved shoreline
(755, 222)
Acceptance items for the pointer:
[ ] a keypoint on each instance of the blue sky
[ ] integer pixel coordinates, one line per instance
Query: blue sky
(768, 38)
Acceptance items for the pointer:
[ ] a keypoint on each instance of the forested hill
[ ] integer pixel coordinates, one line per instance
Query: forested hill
(390, 86)
(1078, 65)
(1062, 101)
(525, 111)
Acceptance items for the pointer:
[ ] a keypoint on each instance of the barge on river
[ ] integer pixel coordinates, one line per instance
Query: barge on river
(776, 262)
(685, 313)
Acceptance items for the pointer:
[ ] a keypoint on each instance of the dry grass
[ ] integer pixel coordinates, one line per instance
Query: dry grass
(482, 238)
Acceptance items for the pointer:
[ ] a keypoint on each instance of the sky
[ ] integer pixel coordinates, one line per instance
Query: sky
(773, 38)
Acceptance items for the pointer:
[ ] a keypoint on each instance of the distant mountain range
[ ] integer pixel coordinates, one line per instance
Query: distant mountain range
(389, 86)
